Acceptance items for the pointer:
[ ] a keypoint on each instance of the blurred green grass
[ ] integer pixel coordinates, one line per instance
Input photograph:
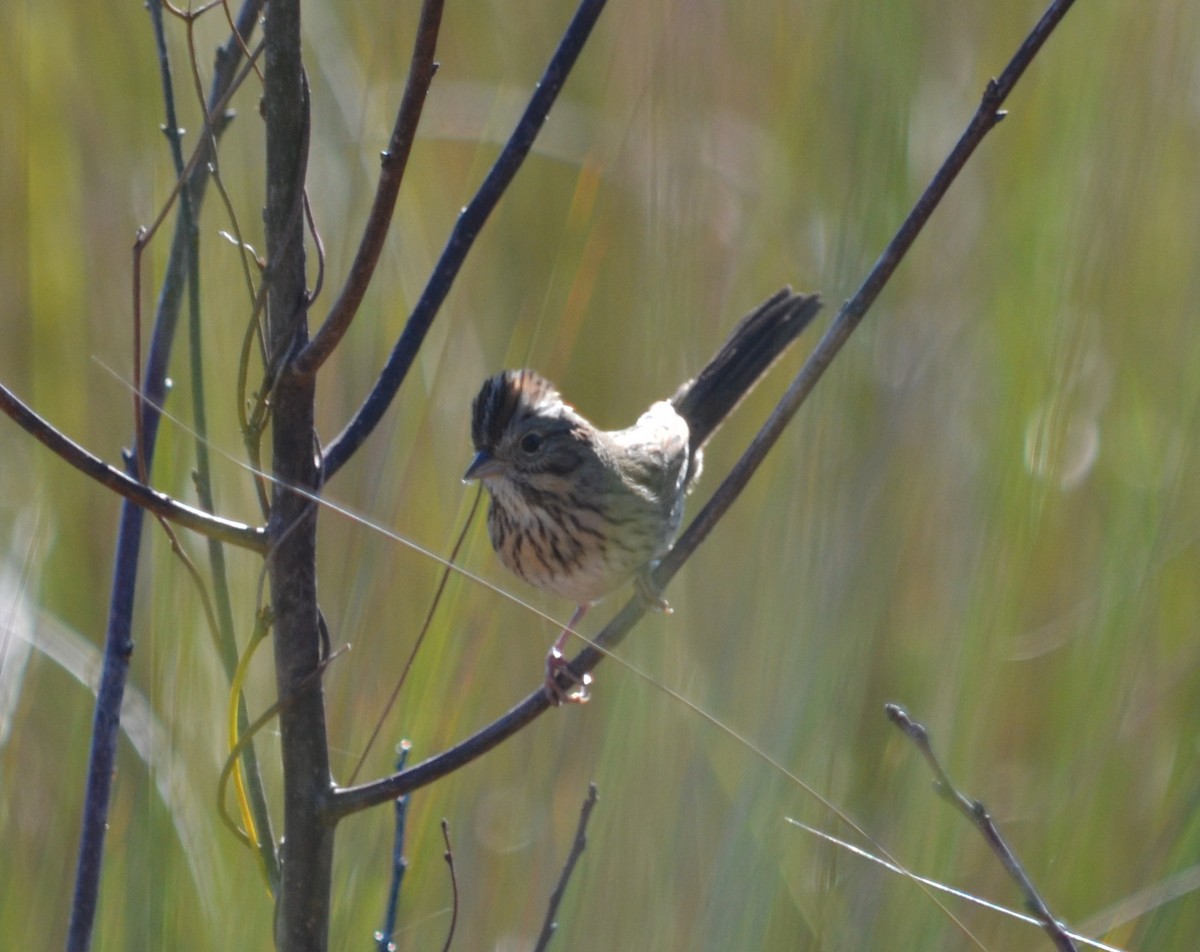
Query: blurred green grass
(988, 510)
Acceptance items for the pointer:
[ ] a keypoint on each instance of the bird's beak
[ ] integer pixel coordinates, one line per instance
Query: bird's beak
(484, 466)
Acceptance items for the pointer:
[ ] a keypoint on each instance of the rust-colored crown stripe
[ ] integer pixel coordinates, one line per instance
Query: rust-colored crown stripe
(508, 398)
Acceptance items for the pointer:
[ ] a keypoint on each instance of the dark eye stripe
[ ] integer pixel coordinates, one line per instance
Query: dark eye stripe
(561, 465)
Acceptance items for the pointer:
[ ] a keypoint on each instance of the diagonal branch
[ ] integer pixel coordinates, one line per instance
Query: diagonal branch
(549, 924)
(349, 800)
(153, 501)
(977, 814)
(466, 230)
(393, 161)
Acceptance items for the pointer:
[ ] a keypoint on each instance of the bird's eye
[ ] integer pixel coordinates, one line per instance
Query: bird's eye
(531, 442)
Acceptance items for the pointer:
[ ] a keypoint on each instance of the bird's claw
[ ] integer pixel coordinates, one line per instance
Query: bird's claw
(556, 664)
(650, 593)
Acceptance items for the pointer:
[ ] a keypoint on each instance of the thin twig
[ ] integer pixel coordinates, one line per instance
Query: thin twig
(383, 938)
(195, 174)
(236, 40)
(934, 884)
(470, 221)
(185, 234)
(318, 247)
(412, 655)
(349, 800)
(393, 162)
(255, 423)
(976, 812)
(256, 725)
(250, 785)
(549, 925)
(448, 856)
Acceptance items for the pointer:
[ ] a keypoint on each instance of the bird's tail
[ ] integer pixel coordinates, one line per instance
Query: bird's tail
(759, 339)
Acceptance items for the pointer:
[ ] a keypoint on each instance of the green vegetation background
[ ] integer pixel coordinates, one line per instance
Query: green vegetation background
(989, 510)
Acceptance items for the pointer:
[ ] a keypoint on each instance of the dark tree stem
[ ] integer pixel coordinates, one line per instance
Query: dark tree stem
(302, 904)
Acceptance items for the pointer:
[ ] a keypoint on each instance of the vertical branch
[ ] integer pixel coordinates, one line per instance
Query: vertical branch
(226, 639)
(118, 646)
(302, 911)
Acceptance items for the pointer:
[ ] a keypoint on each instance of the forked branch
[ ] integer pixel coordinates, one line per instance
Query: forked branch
(393, 163)
(466, 229)
(349, 800)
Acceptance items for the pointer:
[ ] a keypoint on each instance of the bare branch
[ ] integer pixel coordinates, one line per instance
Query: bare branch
(383, 938)
(348, 800)
(549, 925)
(153, 501)
(976, 812)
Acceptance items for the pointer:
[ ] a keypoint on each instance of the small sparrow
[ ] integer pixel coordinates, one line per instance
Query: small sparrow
(578, 511)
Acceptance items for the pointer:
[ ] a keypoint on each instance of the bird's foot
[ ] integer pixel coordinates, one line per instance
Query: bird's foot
(556, 664)
(650, 593)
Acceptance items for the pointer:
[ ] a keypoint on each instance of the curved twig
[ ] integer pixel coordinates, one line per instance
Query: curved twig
(155, 502)
(448, 856)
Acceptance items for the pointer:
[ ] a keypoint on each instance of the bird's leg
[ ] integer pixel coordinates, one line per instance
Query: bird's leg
(556, 663)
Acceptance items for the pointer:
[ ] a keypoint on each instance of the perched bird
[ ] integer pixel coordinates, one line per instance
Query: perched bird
(577, 510)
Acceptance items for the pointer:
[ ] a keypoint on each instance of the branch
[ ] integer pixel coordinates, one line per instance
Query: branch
(384, 937)
(976, 812)
(351, 799)
(448, 856)
(470, 221)
(118, 641)
(852, 312)
(394, 161)
(302, 907)
(549, 926)
(153, 501)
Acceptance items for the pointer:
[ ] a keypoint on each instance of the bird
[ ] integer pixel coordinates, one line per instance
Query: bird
(578, 511)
